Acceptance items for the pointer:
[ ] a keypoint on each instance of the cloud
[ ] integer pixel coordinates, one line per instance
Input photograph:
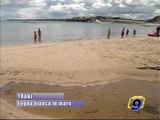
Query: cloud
(138, 9)
(67, 9)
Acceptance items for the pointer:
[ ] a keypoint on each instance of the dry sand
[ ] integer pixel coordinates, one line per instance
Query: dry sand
(105, 73)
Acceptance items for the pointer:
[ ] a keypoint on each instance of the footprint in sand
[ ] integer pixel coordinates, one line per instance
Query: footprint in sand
(2, 73)
(58, 74)
(27, 71)
(17, 72)
(7, 92)
(94, 111)
(48, 73)
(9, 72)
(80, 44)
(70, 76)
(90, 112)
(34, 72)
(104, 72)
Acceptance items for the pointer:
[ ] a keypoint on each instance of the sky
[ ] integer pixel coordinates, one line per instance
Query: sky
(31, 9)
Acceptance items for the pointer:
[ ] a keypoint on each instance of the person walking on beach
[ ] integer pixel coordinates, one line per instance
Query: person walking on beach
(35, 37)
(127, 32)
(109, 33)
(134, 32)
(122, 33)
(39, 35)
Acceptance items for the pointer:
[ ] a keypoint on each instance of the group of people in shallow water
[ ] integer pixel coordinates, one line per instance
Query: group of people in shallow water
(37, 36)
(123, 33)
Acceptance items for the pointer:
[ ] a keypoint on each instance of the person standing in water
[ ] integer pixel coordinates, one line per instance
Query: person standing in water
(122, 33)
(39, 35)
(35, 37)
(109, 33)
(127, 32)
(134, 32)
(158, 31)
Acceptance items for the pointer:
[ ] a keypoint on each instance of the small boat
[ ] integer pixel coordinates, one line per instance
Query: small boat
(155, 34)
(152, 34)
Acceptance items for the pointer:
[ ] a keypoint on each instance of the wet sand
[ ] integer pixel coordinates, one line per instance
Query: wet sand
(100, 101)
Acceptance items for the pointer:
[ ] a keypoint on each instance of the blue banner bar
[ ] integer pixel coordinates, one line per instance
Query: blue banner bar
(49, 103)
(40, 96)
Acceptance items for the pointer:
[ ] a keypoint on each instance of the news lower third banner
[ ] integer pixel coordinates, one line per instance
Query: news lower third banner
(45, 100)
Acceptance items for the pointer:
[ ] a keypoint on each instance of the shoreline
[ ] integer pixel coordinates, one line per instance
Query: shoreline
(74, 40)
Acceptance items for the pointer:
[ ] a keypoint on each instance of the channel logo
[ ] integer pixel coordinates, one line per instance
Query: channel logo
(136, 103)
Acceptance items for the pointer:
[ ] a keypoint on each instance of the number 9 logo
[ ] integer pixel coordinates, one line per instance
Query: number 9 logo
(136, 103)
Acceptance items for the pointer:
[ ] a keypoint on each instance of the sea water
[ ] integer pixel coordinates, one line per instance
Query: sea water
(16, 32)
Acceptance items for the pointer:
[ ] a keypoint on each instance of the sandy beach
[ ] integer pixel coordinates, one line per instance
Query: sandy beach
(105, 73)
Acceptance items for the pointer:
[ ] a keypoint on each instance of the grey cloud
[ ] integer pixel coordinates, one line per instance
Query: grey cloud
(157, 6)
(140, 9)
